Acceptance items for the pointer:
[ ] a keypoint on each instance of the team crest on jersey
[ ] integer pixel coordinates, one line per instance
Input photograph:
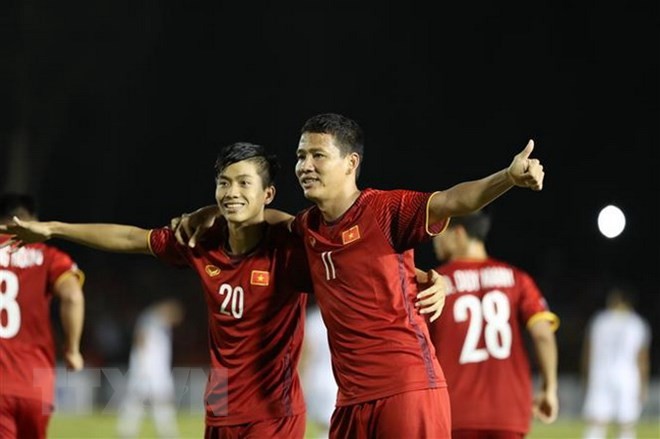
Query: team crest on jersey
(350, 235)
(212, 270)
(260, 278)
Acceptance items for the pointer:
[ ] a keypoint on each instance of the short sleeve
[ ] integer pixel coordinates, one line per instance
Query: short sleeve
(533, 306)
(403, 217)
(62, 266)
(164, 246)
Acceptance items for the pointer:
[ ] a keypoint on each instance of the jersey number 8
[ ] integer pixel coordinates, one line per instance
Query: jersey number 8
(9, 305)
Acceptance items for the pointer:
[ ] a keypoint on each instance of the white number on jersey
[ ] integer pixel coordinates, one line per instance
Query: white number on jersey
(330, 273)
(493, 310)
(234, 297)
(9, 305)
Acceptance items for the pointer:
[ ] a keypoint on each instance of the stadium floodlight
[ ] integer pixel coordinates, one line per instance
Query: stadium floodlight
(611, 221)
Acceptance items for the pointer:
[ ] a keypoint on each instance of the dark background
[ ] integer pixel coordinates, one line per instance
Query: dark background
(114, 112)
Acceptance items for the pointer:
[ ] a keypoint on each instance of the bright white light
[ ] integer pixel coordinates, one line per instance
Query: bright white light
(611, 221)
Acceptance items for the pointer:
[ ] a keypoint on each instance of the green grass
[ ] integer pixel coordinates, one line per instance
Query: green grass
(574, 429)
(102, 426)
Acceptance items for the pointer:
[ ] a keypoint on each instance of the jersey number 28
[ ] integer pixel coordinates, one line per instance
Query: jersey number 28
(489, 316)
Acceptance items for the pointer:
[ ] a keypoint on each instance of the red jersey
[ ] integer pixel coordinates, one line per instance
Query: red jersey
(362, 268)
(255, 321)
(27, 349)
(479, 341)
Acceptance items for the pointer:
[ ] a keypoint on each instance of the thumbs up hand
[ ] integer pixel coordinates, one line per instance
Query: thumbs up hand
(526, 172)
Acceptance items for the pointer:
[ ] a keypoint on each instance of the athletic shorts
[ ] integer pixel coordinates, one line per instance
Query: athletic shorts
(613, 401)
(416, 414)
(486, 434)
(287, 427)
(23, 417)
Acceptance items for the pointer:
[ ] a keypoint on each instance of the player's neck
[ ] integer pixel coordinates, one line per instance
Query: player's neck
(244, 237)
(474, 251)
(334, 208)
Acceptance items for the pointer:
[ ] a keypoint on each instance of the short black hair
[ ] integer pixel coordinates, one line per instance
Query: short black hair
(267, 164)
(11, 202)
(347, 133)
(476, 225)
(622, 291)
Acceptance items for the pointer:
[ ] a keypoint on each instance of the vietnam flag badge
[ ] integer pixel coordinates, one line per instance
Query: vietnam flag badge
(260, 278)
(350, 235)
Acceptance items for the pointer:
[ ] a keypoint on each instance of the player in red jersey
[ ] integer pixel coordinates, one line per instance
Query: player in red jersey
(359, 245)
(253, 276)
(479, 338)
(30, 277)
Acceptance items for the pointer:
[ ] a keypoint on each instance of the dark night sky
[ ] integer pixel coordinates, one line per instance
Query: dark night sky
(114, 112)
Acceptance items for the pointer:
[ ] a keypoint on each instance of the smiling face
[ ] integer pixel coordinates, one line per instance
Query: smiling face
(240, 193)
(321, 169)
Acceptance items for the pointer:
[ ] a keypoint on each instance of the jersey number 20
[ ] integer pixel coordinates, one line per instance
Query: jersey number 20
(489, 316)
(234, 301)
(9, 305)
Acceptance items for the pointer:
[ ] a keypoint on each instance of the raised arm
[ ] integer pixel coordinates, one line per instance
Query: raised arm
(546, 403)
(72, 314)
(467, 197)
(107, 237)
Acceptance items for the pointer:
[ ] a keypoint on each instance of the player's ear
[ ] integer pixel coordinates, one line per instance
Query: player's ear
(270, 194)
(353, 162)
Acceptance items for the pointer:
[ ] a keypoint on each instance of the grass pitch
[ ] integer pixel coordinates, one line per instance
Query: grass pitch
(102, 426)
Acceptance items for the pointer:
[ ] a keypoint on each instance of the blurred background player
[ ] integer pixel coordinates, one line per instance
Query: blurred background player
(30, 276)
(479, 337)
(616, 363)
(316, 373)
(150, 380)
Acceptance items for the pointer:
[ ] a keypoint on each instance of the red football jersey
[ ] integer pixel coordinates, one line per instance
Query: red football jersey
(480, 345)
(255, 321)
(27, 349)
(363, 271)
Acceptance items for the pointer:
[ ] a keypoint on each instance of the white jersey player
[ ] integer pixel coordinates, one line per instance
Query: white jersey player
(318, 381)
(150, 379)
(616, 352)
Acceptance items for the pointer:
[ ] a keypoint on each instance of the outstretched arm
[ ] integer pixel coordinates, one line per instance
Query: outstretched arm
(189, 228)
(546, 403)
(107, 237)
(72, 313)
(467, 197)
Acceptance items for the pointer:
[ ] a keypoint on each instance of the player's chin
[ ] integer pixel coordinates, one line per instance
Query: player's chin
(311, 194)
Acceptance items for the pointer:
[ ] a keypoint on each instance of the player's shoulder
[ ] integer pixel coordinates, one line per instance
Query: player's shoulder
(48, 250)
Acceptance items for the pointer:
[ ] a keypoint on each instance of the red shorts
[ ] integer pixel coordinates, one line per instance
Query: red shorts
(23, 417)
(416, 414)
(486, 434)
(286, 427)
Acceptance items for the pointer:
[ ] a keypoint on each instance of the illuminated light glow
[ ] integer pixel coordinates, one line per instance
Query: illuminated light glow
(611, 221)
